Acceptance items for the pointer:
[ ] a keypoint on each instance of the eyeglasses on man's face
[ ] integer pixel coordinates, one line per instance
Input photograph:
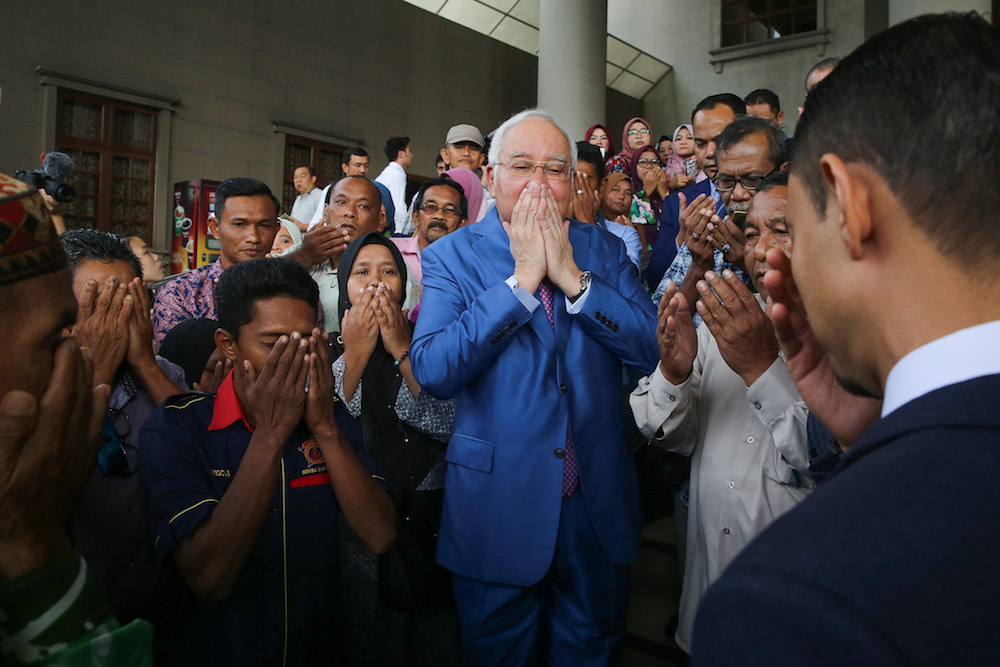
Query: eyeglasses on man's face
(728, 183)
(555, 170)
(449, 211)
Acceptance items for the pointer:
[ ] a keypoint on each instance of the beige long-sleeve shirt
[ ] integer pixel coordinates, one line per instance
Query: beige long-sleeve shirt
(748, 453)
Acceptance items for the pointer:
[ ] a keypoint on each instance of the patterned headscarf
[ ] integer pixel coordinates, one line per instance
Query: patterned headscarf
(29, 245)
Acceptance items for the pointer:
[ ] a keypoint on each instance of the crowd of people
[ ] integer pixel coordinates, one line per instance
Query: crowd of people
(380, 431)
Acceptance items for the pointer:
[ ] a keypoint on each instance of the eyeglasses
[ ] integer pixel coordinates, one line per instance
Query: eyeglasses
(447, 211)
(649, 162)
(728, 183)
(553, 169)
(632, 133)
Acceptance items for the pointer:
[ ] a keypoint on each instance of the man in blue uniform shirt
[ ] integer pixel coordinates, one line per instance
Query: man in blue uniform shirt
(246, 485)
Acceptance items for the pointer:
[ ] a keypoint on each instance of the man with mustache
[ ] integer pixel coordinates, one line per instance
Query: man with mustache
(245, 222)
(440, 208)
(746, 151)
(724, 396)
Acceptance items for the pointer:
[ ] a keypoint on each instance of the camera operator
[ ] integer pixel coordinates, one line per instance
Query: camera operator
(56, 169)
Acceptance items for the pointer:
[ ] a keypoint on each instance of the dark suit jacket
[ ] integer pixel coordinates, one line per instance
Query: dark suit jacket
(666, 239)
(519, 384)
(894, 560)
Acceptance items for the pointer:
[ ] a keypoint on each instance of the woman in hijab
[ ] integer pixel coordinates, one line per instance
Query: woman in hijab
(599, 136)
(288, 238)
(406, 431)
(474, 193)
(676, 168)
(615, 195)
(635, 135)
(191, 345)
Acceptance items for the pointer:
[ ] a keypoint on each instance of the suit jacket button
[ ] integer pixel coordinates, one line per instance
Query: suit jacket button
(597, 314)
(563, 388)
(614, 327)
(559, 453)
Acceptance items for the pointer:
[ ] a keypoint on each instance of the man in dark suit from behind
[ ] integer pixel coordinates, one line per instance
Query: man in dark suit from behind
(896, 260)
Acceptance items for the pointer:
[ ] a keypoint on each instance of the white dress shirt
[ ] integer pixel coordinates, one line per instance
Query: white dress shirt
(749, 460)
(393, 177)
(962, 355)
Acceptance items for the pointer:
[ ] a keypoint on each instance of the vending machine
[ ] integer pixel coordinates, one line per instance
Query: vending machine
(193, 244)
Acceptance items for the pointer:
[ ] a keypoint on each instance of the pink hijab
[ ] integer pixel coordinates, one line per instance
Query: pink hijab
(627, 152)
(473, 188)
(675, 165)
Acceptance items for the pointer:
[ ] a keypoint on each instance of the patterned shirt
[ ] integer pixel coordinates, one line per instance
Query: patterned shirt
(680, 267)
(186, 297)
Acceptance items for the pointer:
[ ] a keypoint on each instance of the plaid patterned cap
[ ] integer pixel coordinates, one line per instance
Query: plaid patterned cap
(29, 245)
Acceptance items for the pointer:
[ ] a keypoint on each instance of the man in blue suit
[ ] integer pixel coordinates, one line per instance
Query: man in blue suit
(527, 319)
(896, 293)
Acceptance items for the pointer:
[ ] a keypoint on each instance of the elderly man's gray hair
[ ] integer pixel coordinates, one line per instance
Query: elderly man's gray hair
(501, 133)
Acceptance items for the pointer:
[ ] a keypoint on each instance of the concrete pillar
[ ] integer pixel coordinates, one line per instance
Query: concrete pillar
(572, 51)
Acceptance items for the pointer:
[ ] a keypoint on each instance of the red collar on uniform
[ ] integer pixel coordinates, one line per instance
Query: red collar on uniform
(227, 407)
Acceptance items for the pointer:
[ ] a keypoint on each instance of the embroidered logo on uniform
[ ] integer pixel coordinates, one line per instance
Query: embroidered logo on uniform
(310, 449)
(315, 473)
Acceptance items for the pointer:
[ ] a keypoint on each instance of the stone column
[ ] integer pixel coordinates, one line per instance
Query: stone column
(572, 51)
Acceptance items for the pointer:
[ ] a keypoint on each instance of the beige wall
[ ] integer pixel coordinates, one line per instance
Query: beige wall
(366, 69)
(354, 69)
(681, 33)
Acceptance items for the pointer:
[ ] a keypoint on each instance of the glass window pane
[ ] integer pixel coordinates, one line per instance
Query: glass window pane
(133, 129)
(329, 166)
(732, 34)
(733, 11)
(81, 120)
(805, 20)
(295, 155)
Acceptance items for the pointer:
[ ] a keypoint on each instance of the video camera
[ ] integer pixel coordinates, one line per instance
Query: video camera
(56, 168)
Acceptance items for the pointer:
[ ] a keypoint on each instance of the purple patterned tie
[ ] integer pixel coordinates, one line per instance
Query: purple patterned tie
(571, 473)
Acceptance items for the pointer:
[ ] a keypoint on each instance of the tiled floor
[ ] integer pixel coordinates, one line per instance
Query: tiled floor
(656, 590)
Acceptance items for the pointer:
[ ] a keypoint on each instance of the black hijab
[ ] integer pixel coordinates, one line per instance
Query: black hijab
(189, 345)
(406, 454)
(347, 264)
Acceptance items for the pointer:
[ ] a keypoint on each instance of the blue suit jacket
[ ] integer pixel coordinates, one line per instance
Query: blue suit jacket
(519, 384)
(893, 560)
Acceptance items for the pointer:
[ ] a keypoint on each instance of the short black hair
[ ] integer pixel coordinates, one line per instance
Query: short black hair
(934, 75)
(446, 181)
(664, 137)
(242, 187)
(591, 154)
(728, 99)
(395, 144)
(242, 285)
(351, 152)
(333, 186)
(86, 244)
(825, 65)
(775, 179)
(745, 126)
(438, 160)
(763, 96)
(309, 167)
